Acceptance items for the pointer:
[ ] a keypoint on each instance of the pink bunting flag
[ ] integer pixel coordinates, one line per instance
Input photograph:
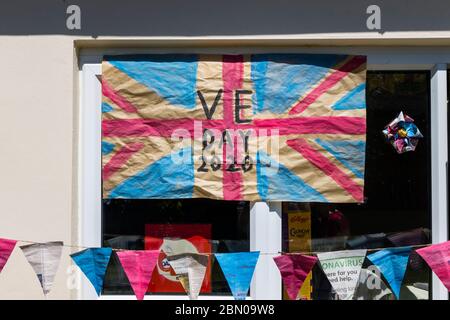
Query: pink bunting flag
(294, 269)
(138, 266)
(6, 248)
(438, 258)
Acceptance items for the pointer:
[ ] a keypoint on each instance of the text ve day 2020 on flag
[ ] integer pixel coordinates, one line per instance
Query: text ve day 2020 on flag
(275, 127)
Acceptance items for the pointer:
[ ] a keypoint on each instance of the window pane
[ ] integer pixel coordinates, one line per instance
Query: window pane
(397, 207)
(205, 226)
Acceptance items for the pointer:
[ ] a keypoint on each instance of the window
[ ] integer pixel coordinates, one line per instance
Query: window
(384, 212)
(397, 207)
(206, 225)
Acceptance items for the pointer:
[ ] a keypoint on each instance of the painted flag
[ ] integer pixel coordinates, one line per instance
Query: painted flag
(44, 259)
(6, 248)
(190, 269)
(238, 269)
(294, 269)
(343, 269)
(278, 127)
(138, 266)
(437, 256)
(392, 263)
(93, 262)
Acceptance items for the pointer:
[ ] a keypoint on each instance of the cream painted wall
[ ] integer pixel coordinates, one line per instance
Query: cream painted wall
(36, 143)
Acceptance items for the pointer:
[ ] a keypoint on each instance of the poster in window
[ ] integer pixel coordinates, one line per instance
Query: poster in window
(299, 230)
(174, 239)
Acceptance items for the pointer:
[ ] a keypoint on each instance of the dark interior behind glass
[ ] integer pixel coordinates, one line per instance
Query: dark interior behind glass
(125, 221)
(397, 189)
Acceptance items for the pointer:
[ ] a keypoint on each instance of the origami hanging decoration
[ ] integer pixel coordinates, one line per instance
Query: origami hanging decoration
(238, 269)
(402, 133)
(44, 259)
(437, 257)
(6, 248)
(343, 269)
(190, 269)
(138, 266)
(392, 263)
(294, 269)
(93, 263)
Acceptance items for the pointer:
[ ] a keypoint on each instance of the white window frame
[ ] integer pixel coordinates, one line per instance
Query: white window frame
(265, 218)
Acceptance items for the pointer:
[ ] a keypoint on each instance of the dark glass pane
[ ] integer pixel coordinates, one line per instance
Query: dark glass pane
(397, 206)
(223, 226)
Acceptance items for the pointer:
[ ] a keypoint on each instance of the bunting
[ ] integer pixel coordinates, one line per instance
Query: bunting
(44, 259)
(343, 269)
(93, 263)
(138, 266)
(392, 263)
(190, 269)
(294, 269)
(438, 258)
(238, 269)
(6, 248)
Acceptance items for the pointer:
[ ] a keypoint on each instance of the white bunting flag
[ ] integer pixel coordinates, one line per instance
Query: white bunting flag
(190, 269)
(342, 269)
(44, 259)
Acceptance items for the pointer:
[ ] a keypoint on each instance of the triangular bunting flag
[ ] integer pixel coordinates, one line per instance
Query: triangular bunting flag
(44, 259)
(190, 269)
(294, 269)
(238, 269)
(138, 266)
(392, 263)
(342, 269)
(6, 248)
(93, 263)
(437, 257)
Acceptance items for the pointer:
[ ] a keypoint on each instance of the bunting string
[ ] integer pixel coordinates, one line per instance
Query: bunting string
(261, 253)
(343, 268)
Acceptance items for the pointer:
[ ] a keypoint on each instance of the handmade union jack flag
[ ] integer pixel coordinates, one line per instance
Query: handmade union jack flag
(280, 127)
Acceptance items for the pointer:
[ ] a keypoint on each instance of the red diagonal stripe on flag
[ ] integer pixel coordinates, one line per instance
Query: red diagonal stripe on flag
(329, 82)
(120, 101)
(119, 159)
(329, 168)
